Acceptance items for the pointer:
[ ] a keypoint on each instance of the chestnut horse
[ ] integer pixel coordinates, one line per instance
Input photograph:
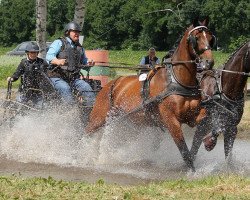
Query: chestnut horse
(224, 102)
(173, 97)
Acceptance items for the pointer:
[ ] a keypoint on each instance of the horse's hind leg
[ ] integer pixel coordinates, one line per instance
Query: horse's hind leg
(229, 138)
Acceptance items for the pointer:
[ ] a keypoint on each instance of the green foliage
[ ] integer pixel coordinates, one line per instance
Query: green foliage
(17, 20)
(103, 33)
(127, 196)
(230, 20)
(100, 182)
(128, 24)
(4, 50)
(8, 65)
(60, 12)
(236, 42)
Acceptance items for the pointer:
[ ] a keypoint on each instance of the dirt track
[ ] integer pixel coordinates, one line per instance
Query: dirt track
(11, 167)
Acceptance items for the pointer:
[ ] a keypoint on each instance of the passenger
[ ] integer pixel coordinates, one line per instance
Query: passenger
(29, 70)
(148, 61)
(66, 57)
(167, 58)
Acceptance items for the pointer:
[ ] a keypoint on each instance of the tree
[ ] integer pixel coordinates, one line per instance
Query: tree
(120, 24)
(59, 13)
(41, 15)
(17, 21)
(80, 8)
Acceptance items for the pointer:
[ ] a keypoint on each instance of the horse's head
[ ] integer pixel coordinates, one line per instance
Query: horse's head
(239, 61)
(235, 72)
(200, 42)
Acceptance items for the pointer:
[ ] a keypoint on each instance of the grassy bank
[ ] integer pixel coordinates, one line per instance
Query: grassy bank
(8, 64)
(217, 187)
(244, 124)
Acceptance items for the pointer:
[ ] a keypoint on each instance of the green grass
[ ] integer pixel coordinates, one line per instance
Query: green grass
(217, 187)
(134, 57)
(8, 64)
(4, 50)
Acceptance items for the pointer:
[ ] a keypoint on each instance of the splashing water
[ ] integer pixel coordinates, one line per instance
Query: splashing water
(120, 148)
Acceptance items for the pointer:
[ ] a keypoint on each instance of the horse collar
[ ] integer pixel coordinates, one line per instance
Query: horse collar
(174, 79)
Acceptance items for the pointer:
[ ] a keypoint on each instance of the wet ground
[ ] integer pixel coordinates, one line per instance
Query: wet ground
(54, 144)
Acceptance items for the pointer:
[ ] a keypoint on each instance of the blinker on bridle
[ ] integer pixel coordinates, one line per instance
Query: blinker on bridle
(193, 40)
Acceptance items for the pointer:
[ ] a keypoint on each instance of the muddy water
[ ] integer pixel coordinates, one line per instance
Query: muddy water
(54, 144)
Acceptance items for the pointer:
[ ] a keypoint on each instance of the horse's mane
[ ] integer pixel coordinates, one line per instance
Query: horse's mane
(178, 40)
(233, 54)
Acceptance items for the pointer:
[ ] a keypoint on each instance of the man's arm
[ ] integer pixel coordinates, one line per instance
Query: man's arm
(51, 56)
(19, 71)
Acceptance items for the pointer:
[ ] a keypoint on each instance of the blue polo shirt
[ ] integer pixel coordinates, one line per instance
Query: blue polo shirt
(55, 49)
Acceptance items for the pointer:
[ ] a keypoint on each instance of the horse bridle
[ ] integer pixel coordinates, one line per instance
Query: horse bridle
(192, 39)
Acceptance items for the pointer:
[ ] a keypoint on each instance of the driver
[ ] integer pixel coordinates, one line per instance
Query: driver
(66, 57)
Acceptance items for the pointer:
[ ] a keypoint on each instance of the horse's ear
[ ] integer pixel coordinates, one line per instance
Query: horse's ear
(196, 22)
(205, 22)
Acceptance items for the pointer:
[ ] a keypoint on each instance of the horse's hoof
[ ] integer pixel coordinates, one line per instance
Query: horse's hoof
(209, 141)
(193, 157)
(193, 169)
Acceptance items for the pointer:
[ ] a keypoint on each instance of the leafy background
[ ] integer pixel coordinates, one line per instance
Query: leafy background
(129, 24)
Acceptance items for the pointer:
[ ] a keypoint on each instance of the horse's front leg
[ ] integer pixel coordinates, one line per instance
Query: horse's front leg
(201, 130)
(229, 138)
(201, 116)
(174, 127)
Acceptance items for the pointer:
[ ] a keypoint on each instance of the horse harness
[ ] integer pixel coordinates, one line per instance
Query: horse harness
(219, 98)
(174, 87)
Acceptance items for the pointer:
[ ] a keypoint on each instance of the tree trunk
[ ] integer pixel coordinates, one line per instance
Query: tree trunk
(80, 9)
(41, 15)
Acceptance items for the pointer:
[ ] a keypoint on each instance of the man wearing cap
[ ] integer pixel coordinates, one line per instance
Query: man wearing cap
(66, 57)
(29, 70)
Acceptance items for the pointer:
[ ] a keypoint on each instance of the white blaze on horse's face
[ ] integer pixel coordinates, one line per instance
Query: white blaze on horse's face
(206, 40)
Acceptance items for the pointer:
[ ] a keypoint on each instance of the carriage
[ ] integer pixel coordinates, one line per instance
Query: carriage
(10, 106)
(97, 76)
